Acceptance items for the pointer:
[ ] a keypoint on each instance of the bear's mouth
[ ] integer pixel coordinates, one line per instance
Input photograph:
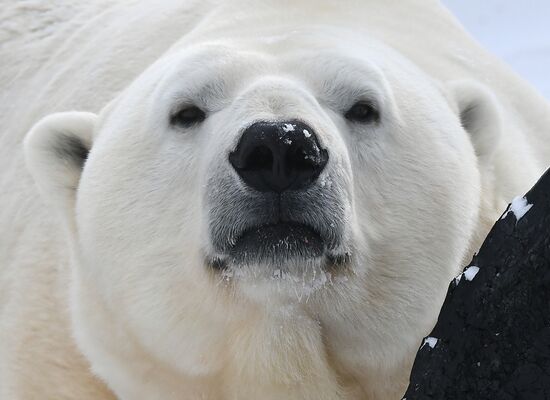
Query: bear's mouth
(254, 233)
(275, 243)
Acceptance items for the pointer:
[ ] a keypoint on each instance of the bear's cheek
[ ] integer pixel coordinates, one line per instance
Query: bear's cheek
(414, 198)
(139, 249)
(138, 218)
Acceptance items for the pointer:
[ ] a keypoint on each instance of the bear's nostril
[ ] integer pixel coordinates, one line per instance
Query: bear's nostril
(278, 156)
(260, 158)
(300, 159)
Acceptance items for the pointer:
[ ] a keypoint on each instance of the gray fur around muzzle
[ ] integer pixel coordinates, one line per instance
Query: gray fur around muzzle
(277, 199)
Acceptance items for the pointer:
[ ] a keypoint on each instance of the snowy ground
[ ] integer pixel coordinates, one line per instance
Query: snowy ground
(516, 31)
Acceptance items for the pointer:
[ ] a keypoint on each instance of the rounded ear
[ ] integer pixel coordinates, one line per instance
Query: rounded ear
(479, 114)
(56, 149)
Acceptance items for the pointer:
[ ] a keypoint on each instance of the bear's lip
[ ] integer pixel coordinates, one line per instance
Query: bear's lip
(274, 243)
(279, 246)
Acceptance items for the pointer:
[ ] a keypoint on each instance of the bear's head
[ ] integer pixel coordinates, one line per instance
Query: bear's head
(324, 178)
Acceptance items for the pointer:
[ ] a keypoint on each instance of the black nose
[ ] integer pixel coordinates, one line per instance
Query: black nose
(278, 156)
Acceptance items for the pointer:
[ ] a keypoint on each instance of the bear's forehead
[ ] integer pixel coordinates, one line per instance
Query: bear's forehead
(213, 67)
(272, 45)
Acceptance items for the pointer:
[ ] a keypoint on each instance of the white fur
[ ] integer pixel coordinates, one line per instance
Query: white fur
(107, 273)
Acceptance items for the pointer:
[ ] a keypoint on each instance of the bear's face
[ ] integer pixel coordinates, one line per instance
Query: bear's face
(325, 178)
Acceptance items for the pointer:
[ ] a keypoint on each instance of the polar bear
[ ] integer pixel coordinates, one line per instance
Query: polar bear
(254, 200)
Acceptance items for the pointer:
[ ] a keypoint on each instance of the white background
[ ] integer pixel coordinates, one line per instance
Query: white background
(517, 31)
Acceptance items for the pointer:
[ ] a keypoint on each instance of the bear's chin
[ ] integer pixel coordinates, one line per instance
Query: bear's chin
(297, 279)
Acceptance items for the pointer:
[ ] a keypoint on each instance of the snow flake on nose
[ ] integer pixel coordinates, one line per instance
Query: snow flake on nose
(306, 133)
(289, 127)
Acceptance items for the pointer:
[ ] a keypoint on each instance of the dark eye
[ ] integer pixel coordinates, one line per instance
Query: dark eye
(363, 112)
(188, 116)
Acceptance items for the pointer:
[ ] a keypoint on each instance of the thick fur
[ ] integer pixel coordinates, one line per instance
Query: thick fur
(104, 288)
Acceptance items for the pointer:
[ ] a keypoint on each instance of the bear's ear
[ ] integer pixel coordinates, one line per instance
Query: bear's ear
(56, 149)
(479, 115)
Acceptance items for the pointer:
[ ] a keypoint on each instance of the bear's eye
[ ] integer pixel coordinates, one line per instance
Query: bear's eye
(188, 116)
(363, 112)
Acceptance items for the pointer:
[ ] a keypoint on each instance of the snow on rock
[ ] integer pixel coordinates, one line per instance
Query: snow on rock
(471, 272)
(494, 331)
(430, 341)
(458, 278)
(519, 207)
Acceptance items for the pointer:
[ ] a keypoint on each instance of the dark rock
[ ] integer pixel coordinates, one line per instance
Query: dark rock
(494, 331)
